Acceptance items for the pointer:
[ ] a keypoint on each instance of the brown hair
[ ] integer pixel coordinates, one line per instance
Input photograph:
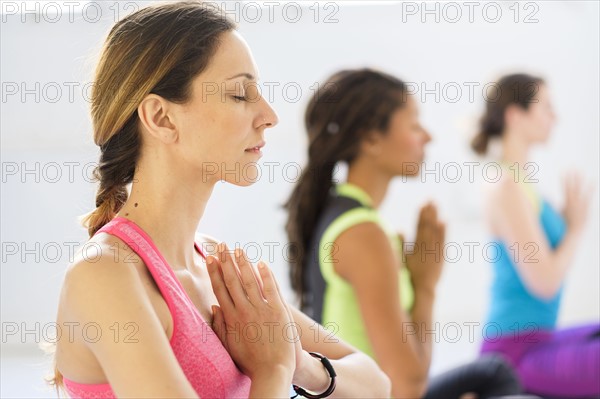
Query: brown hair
(519, 89)
(348, 106)
(158, 49)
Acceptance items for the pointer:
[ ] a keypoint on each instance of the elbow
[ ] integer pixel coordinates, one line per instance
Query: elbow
(384, 386)
(409, 392)
(544, 290)
(414, 387)
(378, 380)
(547, 295)
(541, 282)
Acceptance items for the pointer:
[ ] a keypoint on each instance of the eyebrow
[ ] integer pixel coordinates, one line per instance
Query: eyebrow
(243, 74)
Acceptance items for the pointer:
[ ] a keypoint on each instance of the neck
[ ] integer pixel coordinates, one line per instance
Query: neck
(168, 206)
(514, 150)
(370, 179)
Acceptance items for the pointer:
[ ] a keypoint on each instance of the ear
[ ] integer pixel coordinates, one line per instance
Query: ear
(372, 144)
(512, 114)
(154, 115)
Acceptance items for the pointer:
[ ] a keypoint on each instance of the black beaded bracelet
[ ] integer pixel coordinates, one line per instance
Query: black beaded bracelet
(332, 375)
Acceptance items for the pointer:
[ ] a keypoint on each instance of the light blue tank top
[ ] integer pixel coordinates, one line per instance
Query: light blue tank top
(513, 308)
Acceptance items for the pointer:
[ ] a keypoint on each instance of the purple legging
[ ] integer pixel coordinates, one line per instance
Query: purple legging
(562, 363)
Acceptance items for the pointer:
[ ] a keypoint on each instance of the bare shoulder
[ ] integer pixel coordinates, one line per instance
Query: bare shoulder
(103, 266)
(494, 190)
(368, 236)
(503, 195)
(106, 290)
(364, 243)
(103, 254)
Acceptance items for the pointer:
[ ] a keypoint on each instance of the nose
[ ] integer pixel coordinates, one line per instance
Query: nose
(268, 117)
(553, 116)
(426, 137)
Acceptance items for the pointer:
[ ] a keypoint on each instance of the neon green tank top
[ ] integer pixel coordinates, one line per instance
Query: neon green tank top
(341, 311)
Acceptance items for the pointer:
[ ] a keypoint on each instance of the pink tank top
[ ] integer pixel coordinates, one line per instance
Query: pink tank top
(204, 360)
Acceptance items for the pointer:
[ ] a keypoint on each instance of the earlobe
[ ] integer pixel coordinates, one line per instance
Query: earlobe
(372, 145)
(511, 114)
(376, 149)
(154, 116)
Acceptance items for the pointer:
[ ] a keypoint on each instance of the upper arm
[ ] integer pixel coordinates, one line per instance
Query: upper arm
(123, 331)
(518, 226)
(365, 259)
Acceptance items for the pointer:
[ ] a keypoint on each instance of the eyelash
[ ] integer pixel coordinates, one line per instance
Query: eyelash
(239, 98)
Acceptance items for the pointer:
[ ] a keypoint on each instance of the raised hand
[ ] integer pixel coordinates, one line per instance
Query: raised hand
(251, 299)
(576, 202)
(425, 262)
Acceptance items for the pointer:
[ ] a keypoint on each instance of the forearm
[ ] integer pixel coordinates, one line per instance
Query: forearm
(358, 376)
(410, 344)
(545, 274)
(421, 315)
(563, 256)
(273, 384)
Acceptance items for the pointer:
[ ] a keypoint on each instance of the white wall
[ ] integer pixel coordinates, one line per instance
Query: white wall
(562, 47)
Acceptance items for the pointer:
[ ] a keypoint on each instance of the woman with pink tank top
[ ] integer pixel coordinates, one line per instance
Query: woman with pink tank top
(165, 313)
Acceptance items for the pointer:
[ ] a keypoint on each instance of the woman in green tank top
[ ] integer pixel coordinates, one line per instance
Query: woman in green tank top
(348, 268)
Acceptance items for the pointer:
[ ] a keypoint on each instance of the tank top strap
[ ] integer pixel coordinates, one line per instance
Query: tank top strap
(139, 241)
(199, 351)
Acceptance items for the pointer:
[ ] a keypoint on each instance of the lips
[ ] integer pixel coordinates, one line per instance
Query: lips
(256, 148)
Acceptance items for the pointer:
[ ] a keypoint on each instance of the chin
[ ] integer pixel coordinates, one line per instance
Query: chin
(241, 183)
(411, 174)
(410, 171)
(542, 138)
(412, 168)
(248, 175)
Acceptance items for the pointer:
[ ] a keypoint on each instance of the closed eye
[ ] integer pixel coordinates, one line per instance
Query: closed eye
(239, 98)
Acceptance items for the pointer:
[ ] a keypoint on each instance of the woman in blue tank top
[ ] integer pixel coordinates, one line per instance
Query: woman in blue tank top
(536, 245)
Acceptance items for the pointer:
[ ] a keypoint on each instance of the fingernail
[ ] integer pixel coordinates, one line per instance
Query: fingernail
(261, 265)
(209, 260)
(238, 252)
